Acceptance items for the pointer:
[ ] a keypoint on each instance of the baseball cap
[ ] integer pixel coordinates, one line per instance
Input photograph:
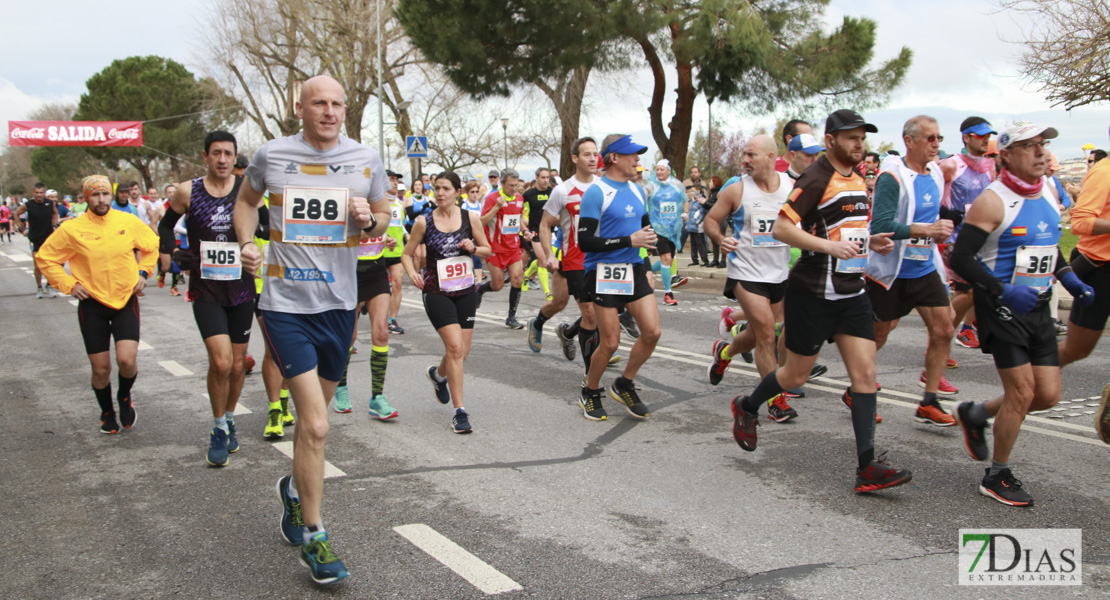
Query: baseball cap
(624, 145)
(663, 163)
(1023, 130)
(494, 173)
(51, 192)
(992, 148)
(976, 125)
(806, 143)
(394, 174)
(847, 118)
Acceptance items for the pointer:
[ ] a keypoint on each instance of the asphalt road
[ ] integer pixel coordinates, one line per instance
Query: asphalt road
(537, 501)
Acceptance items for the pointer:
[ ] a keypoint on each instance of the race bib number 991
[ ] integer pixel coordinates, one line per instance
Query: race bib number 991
(315, 215)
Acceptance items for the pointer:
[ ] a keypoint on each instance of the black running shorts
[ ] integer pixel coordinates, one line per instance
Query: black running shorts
(451, 310)
(905, 295)
(1014, 340)
(232, 321)
(640, 288)
(576, 283)
(1095, 315)
(100, 324)
(373, 279)
(812, 321)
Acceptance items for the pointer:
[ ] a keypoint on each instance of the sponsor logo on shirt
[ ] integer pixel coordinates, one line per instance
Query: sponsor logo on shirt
(291, 168)
(314, 169)
(854, 206)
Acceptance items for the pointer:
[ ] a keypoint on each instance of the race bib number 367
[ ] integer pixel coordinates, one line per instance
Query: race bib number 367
(615, 278)
(315, 215)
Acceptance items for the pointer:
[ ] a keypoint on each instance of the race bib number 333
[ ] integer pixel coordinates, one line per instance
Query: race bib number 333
(315, 215)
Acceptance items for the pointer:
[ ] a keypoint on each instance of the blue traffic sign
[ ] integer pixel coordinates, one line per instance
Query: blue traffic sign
(416, 146)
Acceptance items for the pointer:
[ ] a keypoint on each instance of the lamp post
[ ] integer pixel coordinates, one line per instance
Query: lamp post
(710, 167)
(381, 108)
(505, 128)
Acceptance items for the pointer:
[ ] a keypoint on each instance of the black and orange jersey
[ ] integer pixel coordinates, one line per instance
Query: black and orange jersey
(827, 204)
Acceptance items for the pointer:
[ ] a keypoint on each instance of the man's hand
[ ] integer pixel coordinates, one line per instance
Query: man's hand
(360, 210)
(139, 285)
(941, 230)
(644, 238)
(881, 242)
(81, 293)
(552, 262)
(390, 243)
(251, 257)
(843, 249)
(729, 244)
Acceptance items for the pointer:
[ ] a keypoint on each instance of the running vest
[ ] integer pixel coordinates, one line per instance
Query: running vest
(665, 210)
(964, 189)
(884, 269)
(1022, 249)
(759, 257)
(212, 237)
(565, 203)
(420, 205)
(445, 258)
(619, 208)
(396, 227)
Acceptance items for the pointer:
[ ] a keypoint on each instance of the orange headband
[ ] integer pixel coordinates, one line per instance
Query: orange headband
(95, 183)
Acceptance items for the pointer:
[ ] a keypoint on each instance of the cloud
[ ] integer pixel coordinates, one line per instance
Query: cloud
(17, 105)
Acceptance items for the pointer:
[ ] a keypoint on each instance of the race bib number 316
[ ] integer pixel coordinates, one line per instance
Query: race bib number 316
(315, 215)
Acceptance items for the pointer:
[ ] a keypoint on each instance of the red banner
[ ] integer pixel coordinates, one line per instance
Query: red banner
(75, 133)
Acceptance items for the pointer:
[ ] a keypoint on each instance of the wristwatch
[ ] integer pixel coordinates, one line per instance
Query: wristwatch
(373, 223)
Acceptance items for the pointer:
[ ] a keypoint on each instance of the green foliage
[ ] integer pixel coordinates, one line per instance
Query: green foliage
(62, 167)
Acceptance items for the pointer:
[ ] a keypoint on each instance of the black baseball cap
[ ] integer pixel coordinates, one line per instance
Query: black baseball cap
(389, 173)
(847, 118)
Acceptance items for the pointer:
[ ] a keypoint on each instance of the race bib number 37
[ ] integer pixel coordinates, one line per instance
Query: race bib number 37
(315, 215)
(763, 225)
(219, 261)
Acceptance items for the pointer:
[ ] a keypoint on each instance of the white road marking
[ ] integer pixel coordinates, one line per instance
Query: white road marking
(330, 470)
(19, 257)
(78, 303)
(174, 368)
(466, 565)
(145, 346)
(240, 409)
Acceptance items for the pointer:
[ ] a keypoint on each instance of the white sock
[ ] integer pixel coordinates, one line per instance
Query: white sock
(293, 489)
(221, 422)
(229, 415)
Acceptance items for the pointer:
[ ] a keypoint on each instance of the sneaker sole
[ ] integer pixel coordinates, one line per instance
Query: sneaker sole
(591, 418)
(819, 373)
(378, 416)
(874, 487)
(928, 421)
(966, 345)
(326, 580)
(273, 436)
(462, 431)
(1102, 420)
(281, 520)
(993, 496)
(783, 419)
(341, 411)
(116, 432)
(921, 384)
(216, 465)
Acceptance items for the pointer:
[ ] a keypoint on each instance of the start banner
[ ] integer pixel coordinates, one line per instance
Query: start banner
(75, 133)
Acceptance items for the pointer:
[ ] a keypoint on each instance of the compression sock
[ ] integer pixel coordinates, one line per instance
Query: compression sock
(863, 423)
(574, 328)
(545, 281)
(125, 384)
(656, 266)
(588, 340)
(379, 358)
(768, 388)
(514, 301)
(665, 273)
(343, 380)
(531, 270)
(104, 399)
(485, 287)
(540, 320)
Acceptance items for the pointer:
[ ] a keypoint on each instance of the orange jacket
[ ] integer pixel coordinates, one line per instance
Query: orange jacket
(101, 255)
(1093, 202)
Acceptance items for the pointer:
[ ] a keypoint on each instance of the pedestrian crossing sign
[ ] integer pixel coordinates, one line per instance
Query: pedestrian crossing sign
(416, 146)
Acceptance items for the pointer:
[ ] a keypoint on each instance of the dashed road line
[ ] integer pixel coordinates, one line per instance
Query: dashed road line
(174, 368)
(330, 470)
(471, 568)
(76, 302)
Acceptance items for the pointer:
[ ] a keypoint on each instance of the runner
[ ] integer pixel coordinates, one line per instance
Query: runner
(666, 207)
(308, 303)
(534, 201)
(5, 221)
(613, 225)
(825, 297)
(100, 248)
(1008, 251)
(452, 236)
(140, 207)
(501, 217)
(792, 129)
(123, 202)
(392, 254)
(472, 200)
(223, 296)
(907, 205)
(42, 218)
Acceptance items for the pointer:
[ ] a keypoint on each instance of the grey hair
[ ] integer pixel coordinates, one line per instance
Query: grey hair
(541, 170)
(507, 173)
(912, 128)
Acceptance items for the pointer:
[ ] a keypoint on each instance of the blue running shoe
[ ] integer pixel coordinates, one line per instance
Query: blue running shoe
(217, 448)
(535, 336)
(442, 393)
(460, 423)
(291, 520)
(232, 441)
(321, 560)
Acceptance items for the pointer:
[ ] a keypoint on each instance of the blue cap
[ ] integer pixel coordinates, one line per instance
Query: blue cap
(624, 145)
(806, 143)
(980, 129)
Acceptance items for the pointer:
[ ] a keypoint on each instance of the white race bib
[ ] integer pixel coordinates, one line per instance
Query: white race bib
(919, 249)
(510, 224)
(219, 261)
(455, 273)
(862, 238)
(397, 215)
(668, 208)
(315, 215)
(762, 224)
(372, 247)
(615, 278)
(1034, 266)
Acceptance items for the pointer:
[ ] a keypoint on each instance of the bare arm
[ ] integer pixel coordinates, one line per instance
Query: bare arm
(547, 223)
(416, 237)
(727, 201)
(245, 220)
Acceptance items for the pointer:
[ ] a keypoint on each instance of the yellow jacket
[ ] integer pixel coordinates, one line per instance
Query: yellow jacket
(101, 255)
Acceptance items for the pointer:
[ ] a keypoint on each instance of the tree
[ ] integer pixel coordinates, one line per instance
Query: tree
(61, 167)
(728, 148)
(1067, 49)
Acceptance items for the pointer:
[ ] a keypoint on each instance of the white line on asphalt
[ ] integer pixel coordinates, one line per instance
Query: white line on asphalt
(145, 346)
(20, 257)
(466, 565)
(78, 303)
(330, 470)
(174, 368)
(240, 408)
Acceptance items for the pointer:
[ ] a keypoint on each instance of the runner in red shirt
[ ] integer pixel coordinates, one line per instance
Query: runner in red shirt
(502, 217)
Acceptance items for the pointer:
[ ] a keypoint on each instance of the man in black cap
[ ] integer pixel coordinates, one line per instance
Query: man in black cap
(494, 178)
(827, 217)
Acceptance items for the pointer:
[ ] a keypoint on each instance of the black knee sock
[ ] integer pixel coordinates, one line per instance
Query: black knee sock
(514, 301)
(485, 287)
(104, 399)
(588, 340)
(573, 329)
(768, 388)
(125, 384)
(540, 320)
(863, 422)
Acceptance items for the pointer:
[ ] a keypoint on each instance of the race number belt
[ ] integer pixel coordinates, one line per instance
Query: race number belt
(1034, 266)
(762, 225)
(315, 215)
(219, 261)
(455, 273)
(615, 279)
(862, 238)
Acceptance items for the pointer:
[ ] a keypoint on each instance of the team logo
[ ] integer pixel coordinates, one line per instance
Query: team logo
(221, 238)
(1004, 313)
(290, 168)
(1042, 226)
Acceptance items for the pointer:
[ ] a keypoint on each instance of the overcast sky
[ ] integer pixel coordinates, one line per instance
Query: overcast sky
(964, 63)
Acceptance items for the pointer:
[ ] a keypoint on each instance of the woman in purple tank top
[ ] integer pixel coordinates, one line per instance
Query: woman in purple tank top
(451, 237)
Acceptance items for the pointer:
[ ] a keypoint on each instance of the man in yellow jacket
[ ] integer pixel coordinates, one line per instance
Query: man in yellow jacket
(101, 247)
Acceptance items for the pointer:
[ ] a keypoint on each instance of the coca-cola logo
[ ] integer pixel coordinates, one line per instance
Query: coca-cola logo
(34, 133)
(123, 134)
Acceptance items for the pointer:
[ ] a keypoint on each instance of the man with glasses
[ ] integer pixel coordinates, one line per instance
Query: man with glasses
(1008, 251)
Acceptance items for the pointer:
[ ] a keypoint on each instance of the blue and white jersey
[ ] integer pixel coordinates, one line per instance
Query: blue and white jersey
(759, 256)
(619, 208)
(1022, 249)
(666, 209)
(917, 261)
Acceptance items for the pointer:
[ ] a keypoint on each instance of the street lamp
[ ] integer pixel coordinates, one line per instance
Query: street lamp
(505, 128)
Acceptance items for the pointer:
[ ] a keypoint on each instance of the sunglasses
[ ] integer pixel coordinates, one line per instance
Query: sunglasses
(985, 136)
(932, 139)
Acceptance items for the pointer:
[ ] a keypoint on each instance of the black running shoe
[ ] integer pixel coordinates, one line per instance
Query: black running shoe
(779, 410)
(974, 439)
(719, 365)
(108, 423)
(817, 371)
(127, 414)
(460, 423)
(879, 475)
(626, 395)
(512, 323)
(570, 350)
(628, 323)
(1005, 488)
(443, 394)
(590, 402)
(743, 424)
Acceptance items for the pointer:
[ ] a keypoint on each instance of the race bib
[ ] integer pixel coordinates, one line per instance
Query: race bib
(668, 209)
(510, 225)
(1034, 267)
(315, 215)
(455, 273)
(397, 215)
(372, 247)
(862, 238)
(219, 261)
(919, 249)
(614, 278)
(762, 224)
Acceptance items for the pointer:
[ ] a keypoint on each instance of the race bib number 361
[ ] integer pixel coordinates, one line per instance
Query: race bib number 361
(315, 215)
(219, 261)
(1034, 266)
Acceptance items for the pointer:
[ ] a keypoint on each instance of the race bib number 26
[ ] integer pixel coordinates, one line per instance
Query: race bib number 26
(315, 215)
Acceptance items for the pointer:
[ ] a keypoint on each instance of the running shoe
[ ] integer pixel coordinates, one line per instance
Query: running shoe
(53, 293)
(846, 398)
(232, 440)
(550, 297)
(570, 350)
(1005, 488)
(628, 324)
(174, 292)
(1061, 328)
(967, 337)
(127, 414)
(274, 430)
(162, 280)
(342, 399)
(879, 475)
(512, 323)
(395, 327)
(442, 393)
(933, 414)
(614, 359)
(795, 393)
(944, 388)
(380, 408)
(626, 395)
(535, 336)
(320, 559)
(1102, 416)
(531, 283)
(749, 356)
(217, 448)
(817, 371)
(716, 370)
(590, 402)
(354, 349)
(287, 417)
(669, 300)
(108, 423)
(744, 424)
(460, 423)
(974, 439)
(678, 281)
(951, 363)
(291, 519)
(779, 410)
(724, 326)
(39, 295)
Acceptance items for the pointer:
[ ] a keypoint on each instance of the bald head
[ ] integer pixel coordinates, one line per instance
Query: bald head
(322, 110)
(759, 156)
(321, 83)
(763, 143)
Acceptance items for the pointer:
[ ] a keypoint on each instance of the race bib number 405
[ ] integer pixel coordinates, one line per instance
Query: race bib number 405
(219, 261)
(455, 273)
(862, 238)
(1034, 266)
(315, 215)
(615, 278)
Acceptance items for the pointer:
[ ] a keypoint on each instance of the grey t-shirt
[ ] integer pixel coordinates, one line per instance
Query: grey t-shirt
(303, 277)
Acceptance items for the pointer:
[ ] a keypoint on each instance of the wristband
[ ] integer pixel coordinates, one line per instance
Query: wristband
(143, 274)
(373, 223)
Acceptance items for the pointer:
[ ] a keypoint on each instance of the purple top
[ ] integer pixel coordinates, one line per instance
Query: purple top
(209, 220)
(441, 245)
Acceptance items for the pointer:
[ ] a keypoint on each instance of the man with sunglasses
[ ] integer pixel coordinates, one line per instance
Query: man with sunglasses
(1008, 251)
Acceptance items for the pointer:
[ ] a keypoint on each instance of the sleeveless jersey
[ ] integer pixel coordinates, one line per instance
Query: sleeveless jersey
(759, 256)
(442, 245)
(396, 227)
(40, 220)
(209, 220)
(965, 188)
(666, 210)
(565, 203)
(420, 205)
(1030, 230)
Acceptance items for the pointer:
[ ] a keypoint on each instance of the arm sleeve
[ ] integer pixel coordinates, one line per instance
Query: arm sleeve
(263, 229)
(1091, 202)
(167, 243)
(887, 195)
(966, 265)
(52, 257)
(589, 219)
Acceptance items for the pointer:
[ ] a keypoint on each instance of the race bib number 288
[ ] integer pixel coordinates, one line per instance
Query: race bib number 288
(315, 215)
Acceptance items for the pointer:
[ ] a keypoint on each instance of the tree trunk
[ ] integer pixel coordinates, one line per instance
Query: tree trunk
(683, 119)
(567, 98)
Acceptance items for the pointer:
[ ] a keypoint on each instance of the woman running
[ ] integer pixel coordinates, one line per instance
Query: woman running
(451, 237)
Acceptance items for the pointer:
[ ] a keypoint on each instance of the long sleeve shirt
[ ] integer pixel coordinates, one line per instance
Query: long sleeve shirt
(101, 255)
(1093, 203)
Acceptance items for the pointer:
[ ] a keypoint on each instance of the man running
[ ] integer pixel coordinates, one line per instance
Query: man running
(1008, 251)
(308, 303)
(612, 226)
(907, 205)
(534, 201)
(222, 294)
(825, 298)
(665, 208)
(42, 218)
(392, 255)
(100, 248)
(792, 129)
(502, 213)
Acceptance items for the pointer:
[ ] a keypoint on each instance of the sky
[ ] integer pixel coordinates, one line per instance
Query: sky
(965, 63)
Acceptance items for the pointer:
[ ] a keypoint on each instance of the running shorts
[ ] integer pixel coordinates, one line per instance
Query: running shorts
(302, 342)
(905, 295)
(502, 261)
(812, 321)
(576, 283)
(100, 324)
(232, 321)
(640, 289)
(451, 310)
(373, 279)
(1014, 340)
